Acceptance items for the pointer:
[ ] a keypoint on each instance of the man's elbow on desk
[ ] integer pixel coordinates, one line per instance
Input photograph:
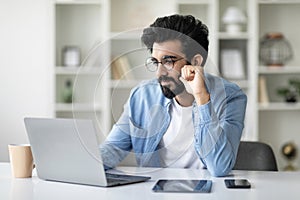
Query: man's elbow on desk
(220, 172)
(220, 168)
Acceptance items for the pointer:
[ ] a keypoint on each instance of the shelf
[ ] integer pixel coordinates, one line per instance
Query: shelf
(233, 36)
(278, 1)
(73, 2)
(279, 70)
(193, 2)
(77, 107)
(77, 70)
(124, 84)
(126, 35)
(279, 106)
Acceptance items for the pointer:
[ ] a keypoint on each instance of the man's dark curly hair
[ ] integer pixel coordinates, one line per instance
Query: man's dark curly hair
(192, 33)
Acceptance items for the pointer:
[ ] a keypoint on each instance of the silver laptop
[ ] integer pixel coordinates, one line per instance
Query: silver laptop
(66, 150)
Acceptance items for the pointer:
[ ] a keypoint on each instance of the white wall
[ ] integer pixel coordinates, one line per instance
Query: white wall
(26, 72)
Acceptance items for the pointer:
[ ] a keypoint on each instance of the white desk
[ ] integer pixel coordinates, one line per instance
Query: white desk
(265, 185)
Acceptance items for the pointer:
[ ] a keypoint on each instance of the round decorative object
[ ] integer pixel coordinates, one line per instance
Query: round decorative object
(289, 151)
(275, 50)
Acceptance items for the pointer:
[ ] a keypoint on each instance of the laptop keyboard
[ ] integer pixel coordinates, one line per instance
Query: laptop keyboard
(121, 178)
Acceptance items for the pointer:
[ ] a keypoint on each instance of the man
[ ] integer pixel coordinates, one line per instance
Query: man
(185, 118)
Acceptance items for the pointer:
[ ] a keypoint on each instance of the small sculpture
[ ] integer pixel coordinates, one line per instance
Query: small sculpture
(289, 151)
(233, 18)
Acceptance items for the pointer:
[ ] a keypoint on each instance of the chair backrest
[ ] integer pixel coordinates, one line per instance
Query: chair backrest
(255, 156)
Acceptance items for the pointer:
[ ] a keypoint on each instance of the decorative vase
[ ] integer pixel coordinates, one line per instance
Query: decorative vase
(68, 92)
(275, 49)
(71, 56)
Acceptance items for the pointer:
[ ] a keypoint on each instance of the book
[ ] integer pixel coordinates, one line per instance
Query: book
(263, 96)
(232, 65)
(121, 69)
(115, 73)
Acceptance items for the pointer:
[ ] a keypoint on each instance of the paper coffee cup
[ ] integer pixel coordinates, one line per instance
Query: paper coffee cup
(21, 160)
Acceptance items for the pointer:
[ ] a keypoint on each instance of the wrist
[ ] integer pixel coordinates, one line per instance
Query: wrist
(202, 98)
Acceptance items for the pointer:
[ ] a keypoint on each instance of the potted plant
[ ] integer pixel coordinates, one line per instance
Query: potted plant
(291, 92)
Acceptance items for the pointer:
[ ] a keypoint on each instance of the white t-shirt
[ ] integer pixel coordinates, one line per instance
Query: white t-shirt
(177, 145)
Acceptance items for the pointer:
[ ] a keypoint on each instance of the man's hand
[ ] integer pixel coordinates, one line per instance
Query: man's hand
(194, 81)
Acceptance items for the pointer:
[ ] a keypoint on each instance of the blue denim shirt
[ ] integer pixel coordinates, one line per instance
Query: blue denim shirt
(146, 117)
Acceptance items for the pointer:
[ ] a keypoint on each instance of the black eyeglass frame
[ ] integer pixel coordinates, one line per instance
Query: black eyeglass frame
(152, 63)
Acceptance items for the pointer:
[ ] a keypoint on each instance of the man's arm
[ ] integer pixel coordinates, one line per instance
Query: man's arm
(118, 143)
(217, 135)
(218, 119)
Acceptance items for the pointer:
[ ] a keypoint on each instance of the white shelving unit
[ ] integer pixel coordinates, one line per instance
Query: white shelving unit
(113, 29)
(279, 121)
(244, 42)
(83, 23)
(118, 25)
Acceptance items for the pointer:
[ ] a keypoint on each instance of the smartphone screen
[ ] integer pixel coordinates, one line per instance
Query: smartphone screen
(196, 186)
(237, 183)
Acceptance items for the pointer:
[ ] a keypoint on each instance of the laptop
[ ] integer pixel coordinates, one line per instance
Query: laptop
(66, 150)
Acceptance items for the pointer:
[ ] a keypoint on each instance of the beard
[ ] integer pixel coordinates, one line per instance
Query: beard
(170, 94)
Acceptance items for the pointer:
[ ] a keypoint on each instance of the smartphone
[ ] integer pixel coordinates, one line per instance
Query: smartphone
(189, 186)
(237, 183)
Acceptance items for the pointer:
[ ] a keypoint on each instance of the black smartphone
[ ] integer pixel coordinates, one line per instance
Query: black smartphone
(237, 183)
(190, 186)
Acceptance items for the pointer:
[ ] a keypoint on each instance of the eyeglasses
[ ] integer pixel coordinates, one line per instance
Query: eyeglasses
(167, 62)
